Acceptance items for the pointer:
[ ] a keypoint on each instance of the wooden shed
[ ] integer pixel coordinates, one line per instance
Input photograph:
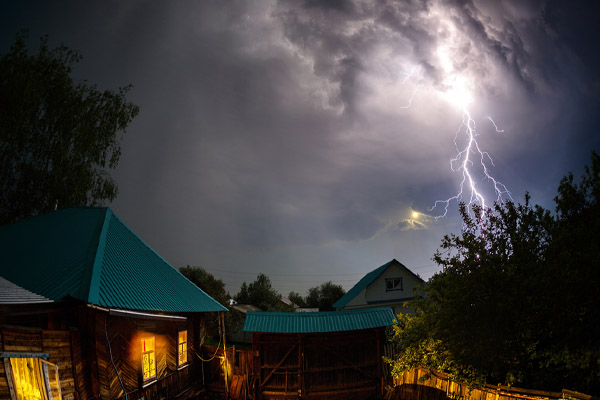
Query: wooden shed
(319, 355)
(90, 311)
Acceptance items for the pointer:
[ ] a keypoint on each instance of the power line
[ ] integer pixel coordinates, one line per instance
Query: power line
(425, 267)
(291, 275)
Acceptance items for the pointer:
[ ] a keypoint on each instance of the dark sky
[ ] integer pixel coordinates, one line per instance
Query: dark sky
(298, 138)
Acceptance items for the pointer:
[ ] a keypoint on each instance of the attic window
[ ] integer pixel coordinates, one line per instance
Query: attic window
(182, 348)
(393, 284)
(148, 359)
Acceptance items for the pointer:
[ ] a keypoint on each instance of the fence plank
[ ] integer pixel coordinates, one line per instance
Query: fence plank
(422, 383)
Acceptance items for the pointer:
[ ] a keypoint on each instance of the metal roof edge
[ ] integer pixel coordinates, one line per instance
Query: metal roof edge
(362, 284)
(145, 315)
(199, 288)
(94, 281)
(318, 322)
(393, 301)
(222, 308)
(365, 310)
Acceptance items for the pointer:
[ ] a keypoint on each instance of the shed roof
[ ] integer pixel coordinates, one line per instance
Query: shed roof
(91, 255)
(367, 280)
(311, 322)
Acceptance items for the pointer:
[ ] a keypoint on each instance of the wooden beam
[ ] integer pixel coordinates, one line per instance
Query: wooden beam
(301, 376)
(278, 365)
(345, 360)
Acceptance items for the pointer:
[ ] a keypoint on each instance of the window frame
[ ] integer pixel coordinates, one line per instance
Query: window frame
(151, 355)
(399, 287)
(179, 344)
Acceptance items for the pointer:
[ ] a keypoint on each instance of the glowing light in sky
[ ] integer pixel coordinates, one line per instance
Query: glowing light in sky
(470, 162)
(415, 214)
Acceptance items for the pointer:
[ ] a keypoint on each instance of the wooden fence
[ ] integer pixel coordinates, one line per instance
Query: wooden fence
(426, 384)
(239, 367)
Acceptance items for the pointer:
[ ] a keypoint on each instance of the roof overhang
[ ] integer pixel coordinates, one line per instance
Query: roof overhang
(138, 314)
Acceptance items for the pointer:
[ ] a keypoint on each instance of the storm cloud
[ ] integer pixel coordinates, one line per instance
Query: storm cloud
(297, 138)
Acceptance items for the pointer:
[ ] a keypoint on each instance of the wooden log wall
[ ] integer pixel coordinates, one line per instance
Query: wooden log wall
(125, 335)
(34, 340)
(421, 383)
(81, 364)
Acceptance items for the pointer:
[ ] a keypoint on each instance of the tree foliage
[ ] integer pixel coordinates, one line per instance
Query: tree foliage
(517, 298)
(324, 295)
(215, 288)
(206, 281)
(58, 138)
(297, 299)
(261, 294)
(572, 348)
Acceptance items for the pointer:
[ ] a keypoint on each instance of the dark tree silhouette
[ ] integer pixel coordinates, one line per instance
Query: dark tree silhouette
(58, 138)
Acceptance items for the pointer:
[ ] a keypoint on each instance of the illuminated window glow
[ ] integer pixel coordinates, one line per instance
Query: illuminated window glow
(182, 348)
(148, 358)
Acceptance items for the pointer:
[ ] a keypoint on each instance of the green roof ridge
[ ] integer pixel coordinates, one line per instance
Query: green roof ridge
(93, 294)
(360, 285)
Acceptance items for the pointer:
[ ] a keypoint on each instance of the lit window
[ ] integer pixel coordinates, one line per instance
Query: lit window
(33, 378)
(148, 358)
(182, 348)
(393, 284)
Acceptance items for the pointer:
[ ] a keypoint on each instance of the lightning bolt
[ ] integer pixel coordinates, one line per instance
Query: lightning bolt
(415, 90)
(468, 158)
(470, 162)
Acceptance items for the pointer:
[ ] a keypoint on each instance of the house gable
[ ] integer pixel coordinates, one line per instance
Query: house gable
(395, 285)
(390, 284)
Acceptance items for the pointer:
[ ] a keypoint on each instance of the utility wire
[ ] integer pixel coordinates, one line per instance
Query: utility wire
(111, 359)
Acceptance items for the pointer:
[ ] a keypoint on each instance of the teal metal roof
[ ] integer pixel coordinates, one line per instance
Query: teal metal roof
(91, 255)
(311, 322)
(366, 281)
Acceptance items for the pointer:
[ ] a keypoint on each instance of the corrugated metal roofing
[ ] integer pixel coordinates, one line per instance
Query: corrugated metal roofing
(14, 294)
(311, 322)
(90, 254)
(366, 281)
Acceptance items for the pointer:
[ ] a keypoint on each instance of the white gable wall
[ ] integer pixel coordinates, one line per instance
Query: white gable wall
(376, 291)
(359, 301)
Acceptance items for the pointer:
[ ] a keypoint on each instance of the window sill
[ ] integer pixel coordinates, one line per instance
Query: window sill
(149, 382)
(183, 366)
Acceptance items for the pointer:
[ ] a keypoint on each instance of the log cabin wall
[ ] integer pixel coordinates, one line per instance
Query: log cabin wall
(125, 336)
(82, 353)
(35, 340)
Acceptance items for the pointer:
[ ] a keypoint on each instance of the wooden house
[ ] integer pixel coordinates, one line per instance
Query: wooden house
(318, 355)
(390, 285)
(90, 311)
